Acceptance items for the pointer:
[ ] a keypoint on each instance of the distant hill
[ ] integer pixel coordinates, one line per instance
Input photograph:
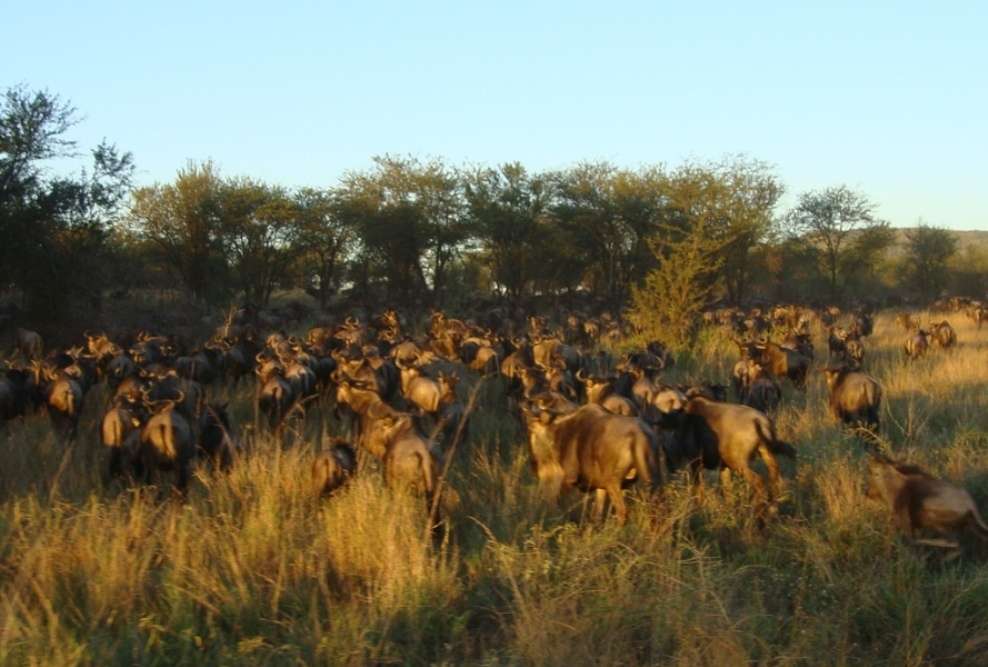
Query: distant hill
(965, 238)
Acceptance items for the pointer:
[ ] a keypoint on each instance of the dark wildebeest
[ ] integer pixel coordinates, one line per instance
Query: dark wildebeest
(919, 501)
(216, 442)
(764, 393)
(855, 397)
(590, 449)
(167, 443)
(333, 469)
(726, 437)
(943, 334)
(917, 345)
(275, 396)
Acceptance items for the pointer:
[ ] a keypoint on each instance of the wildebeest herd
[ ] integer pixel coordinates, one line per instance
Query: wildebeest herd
(402, 393)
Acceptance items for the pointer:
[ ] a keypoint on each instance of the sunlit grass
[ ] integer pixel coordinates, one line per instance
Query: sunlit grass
(253, 569)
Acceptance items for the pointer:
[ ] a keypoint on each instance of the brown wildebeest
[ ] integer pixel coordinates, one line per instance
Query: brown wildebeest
(275, 396)
(332, 470)
(29, 344)
(424, 392)
(921, 502)
(410, 461)
(855, 397)
(167, 443)
(367, 404)
(917, 345)
(600, 391)
(854, 353)
(120, 432)
(590, 449)
(943, 334)
(726, 437)
(62, 398)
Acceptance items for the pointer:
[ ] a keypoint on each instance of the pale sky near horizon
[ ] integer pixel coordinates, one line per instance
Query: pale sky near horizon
(887, 97)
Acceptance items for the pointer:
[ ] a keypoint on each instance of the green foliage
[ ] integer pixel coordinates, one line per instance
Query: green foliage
(54, 228)
(667, 306)
(928, 253)
(827, 218)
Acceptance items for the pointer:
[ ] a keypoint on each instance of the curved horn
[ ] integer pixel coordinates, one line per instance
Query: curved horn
(581, 376)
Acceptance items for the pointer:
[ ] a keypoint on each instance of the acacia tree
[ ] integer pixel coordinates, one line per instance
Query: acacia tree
(259, 224)
(507, 209)
(827, 218)
(928, 251)
(667, 306)
(323, 237)
(750, 193)
(54, 229)
(183, 222)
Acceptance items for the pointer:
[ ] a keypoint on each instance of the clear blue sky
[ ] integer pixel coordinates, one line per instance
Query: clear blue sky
(891, 98)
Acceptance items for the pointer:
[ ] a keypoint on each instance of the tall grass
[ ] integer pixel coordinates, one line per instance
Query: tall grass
(252, 569)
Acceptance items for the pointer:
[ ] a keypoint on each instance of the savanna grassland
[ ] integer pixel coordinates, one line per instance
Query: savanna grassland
(253, 569)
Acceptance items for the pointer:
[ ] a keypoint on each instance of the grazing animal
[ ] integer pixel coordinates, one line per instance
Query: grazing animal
(330, 471)
(167, 443)
(855, 397)
(726, 437)
(275, 396)
(601, 392)
(120, 432)
(943, 334)
(921, 502)
(917, 345)
(216, 442)
(854, 352)
(764, 393)
(590, 449)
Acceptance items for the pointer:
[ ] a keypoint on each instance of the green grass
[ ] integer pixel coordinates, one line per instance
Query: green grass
(252, 569)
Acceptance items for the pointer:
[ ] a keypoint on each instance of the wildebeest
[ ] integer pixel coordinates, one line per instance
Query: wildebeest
(764, 393)
(855, 397)
(726, 437)
(854, 352)
(331, 470)
(600, 391)
(167, 443)
(216, 441)
(590, 449)
(120, 431)
(62, 396)
(917, 345)
(921, 502)
(943, 334)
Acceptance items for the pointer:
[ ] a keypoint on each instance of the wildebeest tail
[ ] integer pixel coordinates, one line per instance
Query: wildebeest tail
(979, 524)
(776, 446)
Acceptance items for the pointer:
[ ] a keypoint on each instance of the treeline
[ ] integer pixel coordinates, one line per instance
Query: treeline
(408, 230)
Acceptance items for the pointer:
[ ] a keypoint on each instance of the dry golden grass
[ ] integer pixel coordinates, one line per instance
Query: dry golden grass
(253, 570)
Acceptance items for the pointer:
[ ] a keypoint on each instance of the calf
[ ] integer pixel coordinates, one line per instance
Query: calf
(916, 345)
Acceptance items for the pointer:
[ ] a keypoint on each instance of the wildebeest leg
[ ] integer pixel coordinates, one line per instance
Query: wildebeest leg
(726, 483)
(755, 480)
(773, 469)
(600, 500)
(617, 500)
